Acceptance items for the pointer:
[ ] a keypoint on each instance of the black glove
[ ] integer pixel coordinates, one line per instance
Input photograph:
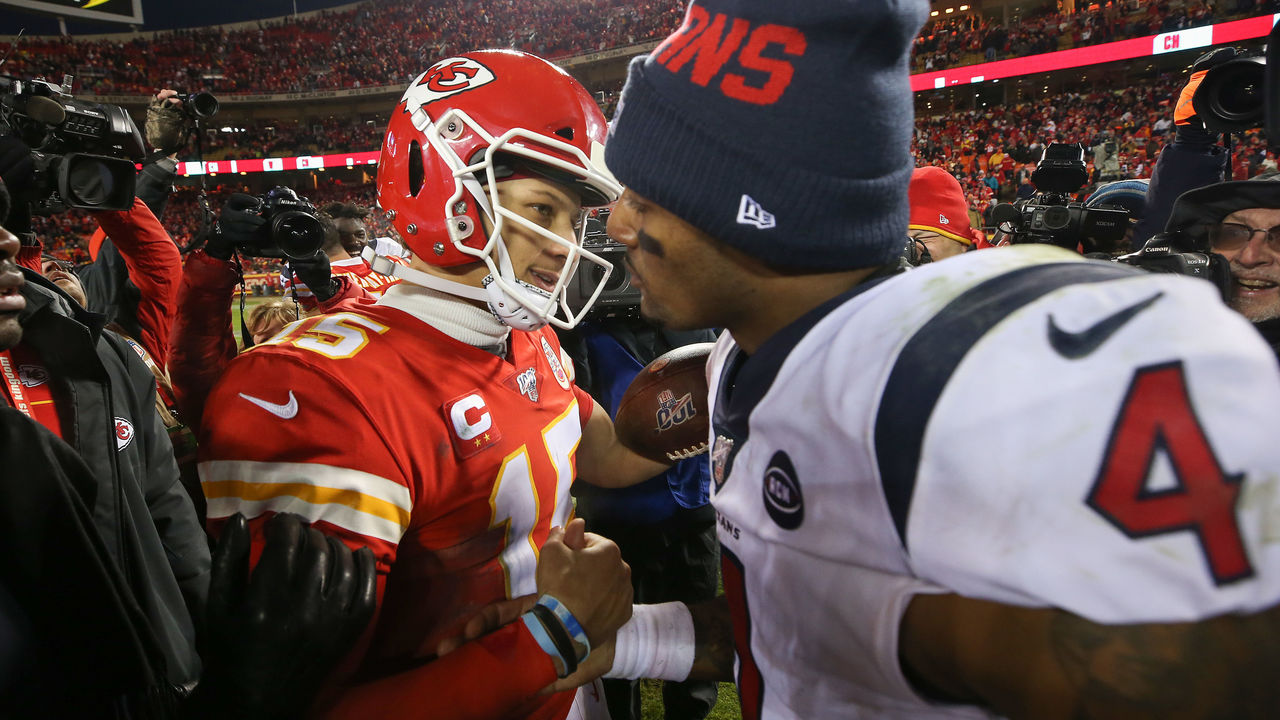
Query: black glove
(316, 274)
(238, 223)
(273, 638)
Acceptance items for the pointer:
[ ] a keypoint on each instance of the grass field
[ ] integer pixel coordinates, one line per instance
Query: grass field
(650, 690)
(726, 702)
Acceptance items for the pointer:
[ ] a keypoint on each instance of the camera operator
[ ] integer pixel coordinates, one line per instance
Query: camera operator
(1240, 220)
(1195, 158)
(203, 343)
(84, 384)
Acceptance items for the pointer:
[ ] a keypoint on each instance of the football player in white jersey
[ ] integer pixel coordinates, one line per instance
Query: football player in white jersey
(1017, 483)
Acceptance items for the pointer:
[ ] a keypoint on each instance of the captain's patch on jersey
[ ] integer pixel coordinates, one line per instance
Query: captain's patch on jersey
(447, 77)
(474, 428)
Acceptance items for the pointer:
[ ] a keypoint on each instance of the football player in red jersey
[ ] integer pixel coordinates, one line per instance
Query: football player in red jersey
(461, 428)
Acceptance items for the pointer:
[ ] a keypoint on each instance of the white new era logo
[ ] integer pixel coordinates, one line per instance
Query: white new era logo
(943, 219)
(750, 213)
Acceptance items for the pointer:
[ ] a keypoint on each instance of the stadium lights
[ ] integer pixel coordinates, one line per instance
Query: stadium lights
(949, 10)
(933, 14)
(963, 8)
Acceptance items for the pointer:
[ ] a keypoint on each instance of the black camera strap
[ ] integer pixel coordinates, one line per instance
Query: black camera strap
(202, 199)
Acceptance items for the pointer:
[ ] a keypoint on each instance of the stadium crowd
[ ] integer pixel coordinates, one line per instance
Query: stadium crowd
(344, 49)
(969, 38)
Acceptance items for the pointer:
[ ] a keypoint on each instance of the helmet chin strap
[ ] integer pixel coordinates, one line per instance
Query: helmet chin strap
(509, 312)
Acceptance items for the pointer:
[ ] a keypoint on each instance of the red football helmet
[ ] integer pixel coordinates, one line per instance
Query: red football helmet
(463, 126)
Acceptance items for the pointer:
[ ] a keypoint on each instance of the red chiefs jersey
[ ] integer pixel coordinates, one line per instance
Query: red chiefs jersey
(452, 464)
(354, 268)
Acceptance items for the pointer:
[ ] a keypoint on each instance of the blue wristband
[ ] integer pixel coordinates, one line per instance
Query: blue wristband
(570, 622)
(540, 635)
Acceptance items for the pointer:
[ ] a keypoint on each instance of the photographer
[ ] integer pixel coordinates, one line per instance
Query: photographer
(202, 341)
(343, 247)
(1195, 158)
(1240, 221)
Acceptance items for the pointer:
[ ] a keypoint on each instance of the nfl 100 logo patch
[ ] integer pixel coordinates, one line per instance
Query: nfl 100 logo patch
(673, 411)
(527, 381)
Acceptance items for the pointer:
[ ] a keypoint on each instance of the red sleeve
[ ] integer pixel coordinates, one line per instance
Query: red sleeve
(203, 341)
(155, 266)
(31, 257)
(484, 679)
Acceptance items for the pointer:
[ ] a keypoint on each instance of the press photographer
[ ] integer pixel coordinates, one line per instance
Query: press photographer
(278, 224)
(1228, 222)
(1238, 224)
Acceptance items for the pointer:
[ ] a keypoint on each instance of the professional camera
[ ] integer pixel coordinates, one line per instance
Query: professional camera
(618, 298)
(1051, 216)
(291, 229)
(914, 254)
(200, 105)
(1178, 254)
(83, 153)
(1243, 93)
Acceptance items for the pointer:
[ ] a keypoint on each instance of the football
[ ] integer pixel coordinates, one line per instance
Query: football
(663, 414)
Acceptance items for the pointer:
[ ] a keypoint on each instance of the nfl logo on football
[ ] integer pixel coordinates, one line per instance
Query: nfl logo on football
(672, 412)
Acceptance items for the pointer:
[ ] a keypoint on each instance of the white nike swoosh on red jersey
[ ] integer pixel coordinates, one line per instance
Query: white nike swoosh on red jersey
(285, 412)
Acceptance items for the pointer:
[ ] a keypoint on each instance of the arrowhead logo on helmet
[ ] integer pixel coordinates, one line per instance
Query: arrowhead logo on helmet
(446, 78)
(463, 127)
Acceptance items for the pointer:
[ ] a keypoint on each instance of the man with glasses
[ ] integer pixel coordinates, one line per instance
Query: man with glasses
(1240, 220)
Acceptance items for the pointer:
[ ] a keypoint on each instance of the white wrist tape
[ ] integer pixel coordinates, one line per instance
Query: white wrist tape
(657, 642)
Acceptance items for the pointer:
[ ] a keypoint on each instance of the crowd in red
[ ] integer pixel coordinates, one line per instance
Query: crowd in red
(356, 48)
(376, 44)
(271, 138)
(991, 151)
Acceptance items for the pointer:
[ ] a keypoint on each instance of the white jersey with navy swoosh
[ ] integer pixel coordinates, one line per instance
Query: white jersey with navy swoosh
(1019, 425)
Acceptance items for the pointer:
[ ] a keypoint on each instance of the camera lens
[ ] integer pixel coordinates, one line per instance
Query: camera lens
(1231, 96)
(95, 182)
(202, 104)
(298, 234)
(1241, 99)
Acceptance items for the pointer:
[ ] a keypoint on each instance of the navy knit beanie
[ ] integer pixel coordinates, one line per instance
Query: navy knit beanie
(780, 128)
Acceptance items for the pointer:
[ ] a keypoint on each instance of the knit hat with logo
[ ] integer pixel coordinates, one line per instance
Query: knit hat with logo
(779, 128)
(938, 205)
